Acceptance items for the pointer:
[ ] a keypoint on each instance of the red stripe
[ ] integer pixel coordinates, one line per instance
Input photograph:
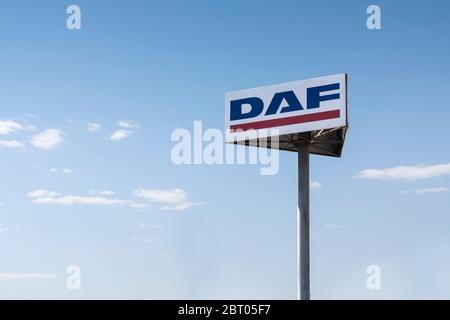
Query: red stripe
(325, 115)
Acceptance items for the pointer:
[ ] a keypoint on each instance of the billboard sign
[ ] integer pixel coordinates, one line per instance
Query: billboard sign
(289, 108)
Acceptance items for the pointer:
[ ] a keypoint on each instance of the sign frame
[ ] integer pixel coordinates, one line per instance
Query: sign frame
(325, 137)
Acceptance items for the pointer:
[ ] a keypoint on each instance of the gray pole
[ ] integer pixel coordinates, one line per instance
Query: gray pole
(303, 221)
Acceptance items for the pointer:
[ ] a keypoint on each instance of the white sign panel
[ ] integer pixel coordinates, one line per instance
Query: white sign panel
(292, 107)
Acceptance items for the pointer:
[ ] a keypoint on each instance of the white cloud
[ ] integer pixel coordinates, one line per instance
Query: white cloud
(103, 193)
(120, 135)
(407, 173)
(48, 139)
(179, 206)
(93, 127)
(128, 124)
(42, 193)
(315, 185)
(10, 144)
(431, 190)
(139, 206)
(124, 132)
(71, 199)
(45, 197)
(173, 200)
(25, 276)
(64, 171)
(173, 196)
(9, 126)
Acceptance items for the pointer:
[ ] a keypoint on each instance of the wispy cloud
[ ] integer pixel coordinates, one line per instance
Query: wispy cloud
(103, 192)
(173, 196)
(407, 173)
(139, 206)
(315, 185)
(172, 200)
(45, 197)
(71, 199)
(120, 135)
(64, 171)
(93, 127)
(4, 276)
(125, 132)
(430, 190)
(11, 144)
(48, 139)
(9, 126)
(180, 206)
(128, 124)
(42, 193)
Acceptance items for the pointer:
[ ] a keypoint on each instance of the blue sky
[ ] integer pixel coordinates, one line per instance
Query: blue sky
(161, 66)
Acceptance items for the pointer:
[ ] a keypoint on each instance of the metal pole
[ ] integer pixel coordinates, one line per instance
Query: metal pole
(303, 222)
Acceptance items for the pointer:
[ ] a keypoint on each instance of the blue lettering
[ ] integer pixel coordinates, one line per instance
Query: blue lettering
(256, 104)
(314, 98)
(291, 99)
